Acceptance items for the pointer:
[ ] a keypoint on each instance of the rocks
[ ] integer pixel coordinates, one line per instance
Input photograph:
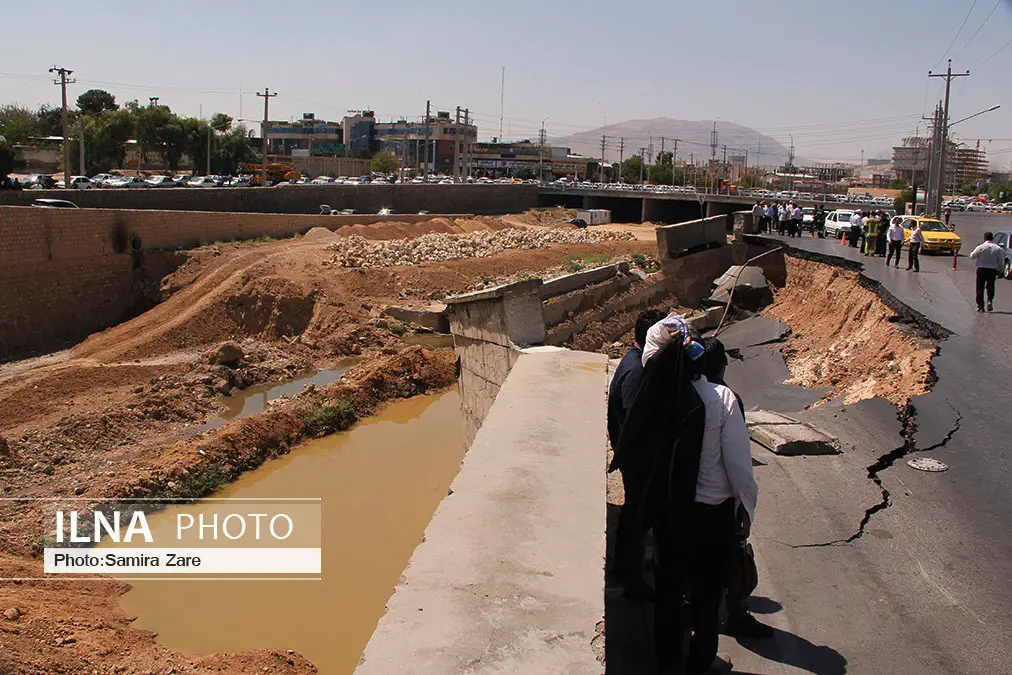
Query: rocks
(751, 290)
(226, 354)
(356, 251)
(80, 490)
(5, 448)
(787, 436)
(12, 614)
(222, 386)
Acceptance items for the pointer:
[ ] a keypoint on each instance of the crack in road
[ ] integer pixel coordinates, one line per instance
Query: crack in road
(907, 416)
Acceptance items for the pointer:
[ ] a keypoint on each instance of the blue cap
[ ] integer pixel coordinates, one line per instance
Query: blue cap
(694, 350)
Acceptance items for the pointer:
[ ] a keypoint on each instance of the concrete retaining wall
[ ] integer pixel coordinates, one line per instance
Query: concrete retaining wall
(509, 577)
(570, 282)
(652, 289)
(488, 328)
(304, 199)
(675, 240)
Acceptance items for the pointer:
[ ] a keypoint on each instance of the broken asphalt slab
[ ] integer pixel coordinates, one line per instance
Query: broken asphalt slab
(758, 377)
(756, 330)
(785, 435)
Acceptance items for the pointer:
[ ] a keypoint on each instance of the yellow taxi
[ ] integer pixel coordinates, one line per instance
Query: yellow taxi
(937, 237)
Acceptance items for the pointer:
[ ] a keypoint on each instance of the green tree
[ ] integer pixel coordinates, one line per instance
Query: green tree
(231, 149)
(105, 138)
(631, 169)
(50, 121)
(384, 162)
(96, 102)
(900, 203)
(897, 184)
(18, 123)
(221, 122)
(6, 158)
(523, 173)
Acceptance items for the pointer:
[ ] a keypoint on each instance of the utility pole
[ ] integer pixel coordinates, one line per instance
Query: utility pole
(949, 76)
(152, 101)
(63, 82)
(642, 164)
(80, 124)
(267, 96)
(621, 154)
(674, 154)
(467, 143)
(208, 172)
(456, 150)
(604, 141)
(425, 167)
(713, 141)
(502, 100)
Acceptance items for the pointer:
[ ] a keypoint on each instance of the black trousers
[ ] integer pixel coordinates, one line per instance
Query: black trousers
(985, 279)
(897, 248)
(689, 572)
(913, 259)
(629, 549)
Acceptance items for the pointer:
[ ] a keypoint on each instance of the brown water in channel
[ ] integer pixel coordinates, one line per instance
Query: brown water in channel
(380, 482)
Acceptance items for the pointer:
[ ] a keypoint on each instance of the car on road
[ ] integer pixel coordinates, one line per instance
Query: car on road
(937, 237)
(807, 217)
(202, 181)
(38, 181)
(125, 182)
(77, 183)
(976, 207)
(182, 179)
(838, 222)
(53, 204)
(1004, 239)
(160, 181)
(99, 179)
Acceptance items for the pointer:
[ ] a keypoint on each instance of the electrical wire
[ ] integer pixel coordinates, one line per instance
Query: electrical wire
(983, 23)
(961, 26)
(1003, 48)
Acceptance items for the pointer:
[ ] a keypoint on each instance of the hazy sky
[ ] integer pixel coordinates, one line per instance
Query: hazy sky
(840, 76)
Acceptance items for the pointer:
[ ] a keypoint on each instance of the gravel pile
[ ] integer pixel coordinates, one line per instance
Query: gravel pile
(356, 251)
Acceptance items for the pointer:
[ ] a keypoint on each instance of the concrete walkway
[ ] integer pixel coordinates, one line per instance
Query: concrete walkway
(510, 575)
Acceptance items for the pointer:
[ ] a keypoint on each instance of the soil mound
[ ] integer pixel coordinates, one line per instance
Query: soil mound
(271, 307)
(320, 234)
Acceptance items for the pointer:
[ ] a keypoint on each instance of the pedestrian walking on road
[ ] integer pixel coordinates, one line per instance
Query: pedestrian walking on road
(740, 623)
(948, 214)
(895, 236)
(797, 217)
(916, 239)
(692, 451)
(990, 258)
(629, 549)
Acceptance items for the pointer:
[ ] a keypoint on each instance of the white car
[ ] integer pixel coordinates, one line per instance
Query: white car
(77, 182)
(976, 207)
(125, 182)
(99, 179)
(202, 181)
(322, 180)
(838, 222)
(182, 179)
(161, 181)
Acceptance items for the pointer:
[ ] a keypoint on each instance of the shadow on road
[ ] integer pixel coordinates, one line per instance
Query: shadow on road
(763, 605)
(794, 650)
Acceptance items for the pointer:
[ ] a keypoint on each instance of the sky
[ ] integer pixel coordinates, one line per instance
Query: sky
(842, 77)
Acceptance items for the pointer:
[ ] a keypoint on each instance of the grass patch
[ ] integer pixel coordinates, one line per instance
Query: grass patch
(397, 328)
(647, 263)
(203, 483)
(326, 419)
(575, 263)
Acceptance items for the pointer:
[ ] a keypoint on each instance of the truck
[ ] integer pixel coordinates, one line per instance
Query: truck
(276, 172)
(594, 216)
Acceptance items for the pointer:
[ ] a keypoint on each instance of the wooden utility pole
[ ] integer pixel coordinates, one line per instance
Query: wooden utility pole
(63, 82)
(425, 166)
(936, 206)
(267, 96)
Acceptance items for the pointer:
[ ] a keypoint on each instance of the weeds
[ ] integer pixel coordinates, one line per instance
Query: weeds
(647, 263)
(397, 328)
(575, 263)
(326, 419)
(203, 483)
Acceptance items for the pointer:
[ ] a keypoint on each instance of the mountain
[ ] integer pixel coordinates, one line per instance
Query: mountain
(693, 138)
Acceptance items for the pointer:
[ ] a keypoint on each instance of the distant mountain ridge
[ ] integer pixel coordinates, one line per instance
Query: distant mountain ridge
(693, 140)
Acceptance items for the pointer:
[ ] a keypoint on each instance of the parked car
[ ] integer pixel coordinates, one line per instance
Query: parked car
(838, 222)
(322, 180)
(386, 212)
(125, 182)
(976, 207)
(202, 181)
(98, 179)
(182, 179)
(77, 183)
(1004, 239)
(161, 181)
(39, 181)
(53, 204)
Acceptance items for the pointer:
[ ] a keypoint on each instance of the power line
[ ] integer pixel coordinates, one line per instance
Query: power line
(982, 24)
(961, 26)
(1003, 48)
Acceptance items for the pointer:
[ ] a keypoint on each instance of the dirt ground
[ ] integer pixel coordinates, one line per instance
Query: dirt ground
(843, 337)
(114, 415)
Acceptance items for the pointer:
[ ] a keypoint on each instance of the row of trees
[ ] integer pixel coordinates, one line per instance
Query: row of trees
(107, 127)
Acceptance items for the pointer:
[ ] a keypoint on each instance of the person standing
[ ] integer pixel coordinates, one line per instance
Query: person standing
(990, 258)
(629, 549)
(757, 217)
(782, 216)
(895, 236)
(948, 215)
(916, 238)
(767, 218)
(870, 234)
(855, 228)
(692, 451)
(797, 217)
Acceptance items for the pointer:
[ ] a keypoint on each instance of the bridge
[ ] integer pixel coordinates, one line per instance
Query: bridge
(657, 204)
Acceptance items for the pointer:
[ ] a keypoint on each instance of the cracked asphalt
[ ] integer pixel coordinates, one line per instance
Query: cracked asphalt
(866, 564)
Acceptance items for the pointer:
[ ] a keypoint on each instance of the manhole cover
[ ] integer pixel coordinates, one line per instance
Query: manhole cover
(927, 464)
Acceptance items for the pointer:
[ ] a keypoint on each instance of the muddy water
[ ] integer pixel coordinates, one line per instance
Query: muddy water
(254, 400)
(433, 340)
(380, 483)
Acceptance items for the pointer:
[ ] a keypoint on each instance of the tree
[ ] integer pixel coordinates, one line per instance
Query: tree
(221, 122)
(105, 138)
(50, 121)
(231, 149)
(523, 173)
(6, 158)
(631, 169)
(18, 123)
(900, 203)
(384, 162)
(96, 102)
(897, 184)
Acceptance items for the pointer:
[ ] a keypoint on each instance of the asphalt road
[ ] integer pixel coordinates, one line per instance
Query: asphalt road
(924, 584)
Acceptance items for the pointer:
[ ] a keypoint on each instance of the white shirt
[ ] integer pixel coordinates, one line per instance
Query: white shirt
(989, 255)
(856, 219)
(895, 232)
(725, 465)
(797, 213)
(916, 236)
(757, 211)
(783, 213)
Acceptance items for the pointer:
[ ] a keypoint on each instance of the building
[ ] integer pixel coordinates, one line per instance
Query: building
(450, 142)
(910, 160)
(968, 165)
(359, 132)
(526, 159)
(308, 137)
(963, 164)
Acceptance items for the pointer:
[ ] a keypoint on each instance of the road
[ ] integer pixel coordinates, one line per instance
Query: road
(926, 585)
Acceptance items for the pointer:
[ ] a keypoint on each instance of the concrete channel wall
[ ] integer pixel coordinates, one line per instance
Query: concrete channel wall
(304, 199)
(509, 577)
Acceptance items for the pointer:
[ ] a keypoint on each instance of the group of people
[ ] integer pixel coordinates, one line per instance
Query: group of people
(785, 217)
(681, 444)
(873, 235)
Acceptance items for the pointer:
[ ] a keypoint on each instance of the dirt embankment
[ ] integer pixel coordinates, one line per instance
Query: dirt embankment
(846, 338)
(106, 417)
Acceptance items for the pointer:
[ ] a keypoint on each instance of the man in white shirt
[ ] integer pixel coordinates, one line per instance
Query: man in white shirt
(856, 224)
(768, 218)
(895, 236)
(990, 258)
(757, 217)
(797, 217)
(916, 239)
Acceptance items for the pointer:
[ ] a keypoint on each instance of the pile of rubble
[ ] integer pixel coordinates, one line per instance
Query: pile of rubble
(356, 251)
